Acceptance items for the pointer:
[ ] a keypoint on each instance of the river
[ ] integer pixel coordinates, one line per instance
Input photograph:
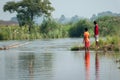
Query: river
(51, 59)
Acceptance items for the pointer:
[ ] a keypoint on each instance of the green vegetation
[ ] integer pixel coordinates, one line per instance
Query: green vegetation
(51, 28)
(107, 44)
(109, 29)
(48, 29)
(77, 29)
(27, 10)
(109, 25)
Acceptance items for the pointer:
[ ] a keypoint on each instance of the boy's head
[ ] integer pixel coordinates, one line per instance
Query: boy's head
(86, 29)
(95, 22)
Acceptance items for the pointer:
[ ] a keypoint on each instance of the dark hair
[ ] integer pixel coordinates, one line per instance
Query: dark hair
(86, 29)
(95, 22)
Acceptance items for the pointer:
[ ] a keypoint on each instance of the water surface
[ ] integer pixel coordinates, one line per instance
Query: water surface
(52, 60)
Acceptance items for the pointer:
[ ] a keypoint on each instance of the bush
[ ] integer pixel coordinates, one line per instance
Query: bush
(77, 29)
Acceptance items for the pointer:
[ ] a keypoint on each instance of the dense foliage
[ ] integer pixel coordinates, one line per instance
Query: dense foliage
(77, 29)
(50, 28)
(109, 25)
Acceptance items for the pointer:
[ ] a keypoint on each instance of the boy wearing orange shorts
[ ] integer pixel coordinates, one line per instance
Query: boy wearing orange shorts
(86, 39)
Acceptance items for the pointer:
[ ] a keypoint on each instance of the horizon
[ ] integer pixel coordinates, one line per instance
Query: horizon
(75, 7)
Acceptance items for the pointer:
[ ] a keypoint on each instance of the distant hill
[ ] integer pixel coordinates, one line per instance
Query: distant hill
(101, 14)
(63, 19)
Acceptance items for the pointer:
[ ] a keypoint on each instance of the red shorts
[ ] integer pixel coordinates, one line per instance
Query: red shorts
(87, 44)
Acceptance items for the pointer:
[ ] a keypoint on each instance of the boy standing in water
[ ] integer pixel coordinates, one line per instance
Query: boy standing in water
(86, 39)
(96, 33)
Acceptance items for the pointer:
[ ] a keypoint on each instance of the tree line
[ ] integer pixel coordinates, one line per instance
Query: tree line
(27, 10)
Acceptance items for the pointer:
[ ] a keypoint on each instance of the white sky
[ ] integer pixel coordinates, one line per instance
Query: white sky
(69, 8)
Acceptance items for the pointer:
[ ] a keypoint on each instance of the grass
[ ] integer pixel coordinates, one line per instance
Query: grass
(107, 44)
(22, 33)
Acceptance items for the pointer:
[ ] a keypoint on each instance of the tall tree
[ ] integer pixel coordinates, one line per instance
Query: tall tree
(27, 10)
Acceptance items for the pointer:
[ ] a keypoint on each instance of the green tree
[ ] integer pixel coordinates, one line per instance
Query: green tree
(48, 25)
(109, 25)
(27, 10)
(77, 29)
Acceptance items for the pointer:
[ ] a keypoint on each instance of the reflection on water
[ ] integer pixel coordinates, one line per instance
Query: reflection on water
(87, 64)
(33, 66)
(97, 66)
(52, 60)
(26, 66)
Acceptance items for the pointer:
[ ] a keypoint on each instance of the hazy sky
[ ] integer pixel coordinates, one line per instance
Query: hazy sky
(69, 8)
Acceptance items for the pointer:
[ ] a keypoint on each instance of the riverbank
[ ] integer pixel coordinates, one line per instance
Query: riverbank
(103, 48)
(107, 44)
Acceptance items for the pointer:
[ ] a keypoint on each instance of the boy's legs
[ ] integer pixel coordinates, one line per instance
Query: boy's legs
(96, 40)
(87, 45)
(97, 44)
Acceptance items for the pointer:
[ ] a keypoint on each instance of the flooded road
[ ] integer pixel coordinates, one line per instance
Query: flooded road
(52, 60)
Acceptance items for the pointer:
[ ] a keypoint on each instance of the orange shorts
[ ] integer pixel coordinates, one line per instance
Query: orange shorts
(87, 44)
